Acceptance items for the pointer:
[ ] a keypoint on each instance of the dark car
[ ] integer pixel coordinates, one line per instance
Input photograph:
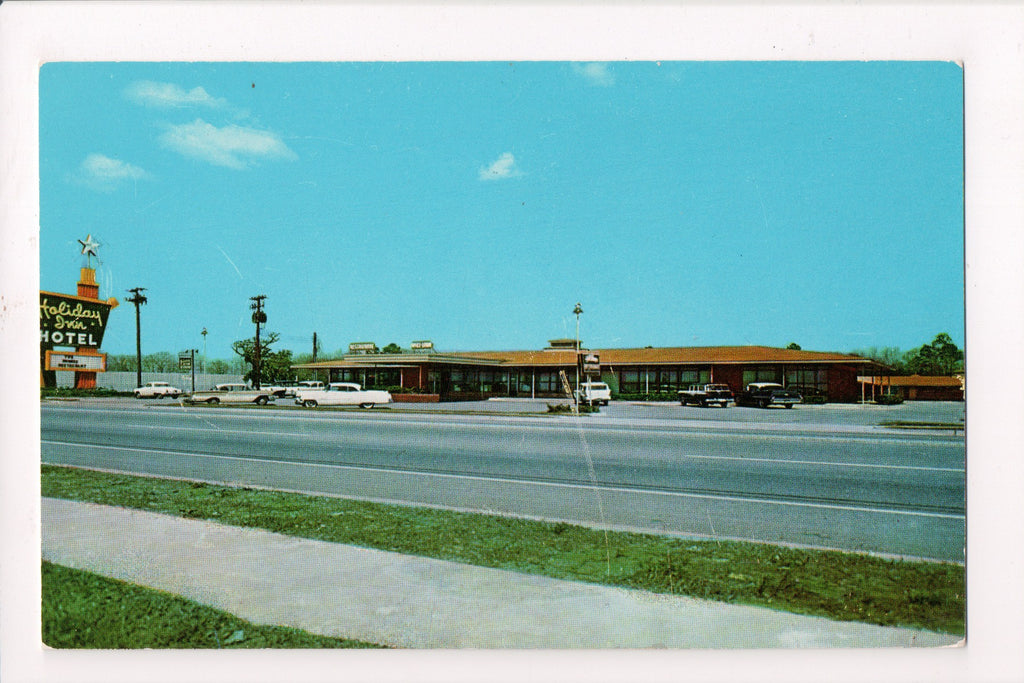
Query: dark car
(766, 394)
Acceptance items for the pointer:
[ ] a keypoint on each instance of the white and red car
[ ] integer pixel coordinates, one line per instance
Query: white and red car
(157, 390)
(342, 394)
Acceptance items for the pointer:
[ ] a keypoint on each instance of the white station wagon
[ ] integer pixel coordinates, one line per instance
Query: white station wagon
(342, 394)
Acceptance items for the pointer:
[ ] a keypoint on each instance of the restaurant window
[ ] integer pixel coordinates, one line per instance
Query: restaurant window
(547, 382)
(815, 379)
(629, 381)
(762, 374)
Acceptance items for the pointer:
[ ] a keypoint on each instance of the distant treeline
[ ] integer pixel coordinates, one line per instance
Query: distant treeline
(941, 357)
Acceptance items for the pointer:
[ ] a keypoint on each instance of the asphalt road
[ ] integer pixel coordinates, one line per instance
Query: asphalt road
(816, 476)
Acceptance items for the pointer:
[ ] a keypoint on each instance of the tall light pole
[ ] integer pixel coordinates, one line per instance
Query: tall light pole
(576, 396)
(138, 298)
(204, 350)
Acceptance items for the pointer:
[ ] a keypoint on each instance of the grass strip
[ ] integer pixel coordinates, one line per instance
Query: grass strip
(838, 585)
(955, 426)
(85, 610)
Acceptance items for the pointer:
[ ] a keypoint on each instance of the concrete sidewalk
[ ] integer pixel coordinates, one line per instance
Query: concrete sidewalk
(414, 602)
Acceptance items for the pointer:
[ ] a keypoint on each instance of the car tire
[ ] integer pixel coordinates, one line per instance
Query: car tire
(309, 404)
(261, 400)
(367, 406)
(789, 405)
(213, 401)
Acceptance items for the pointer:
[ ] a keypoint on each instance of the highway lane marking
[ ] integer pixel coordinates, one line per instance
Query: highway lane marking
(639, 430)
(912, 468)
(505, 480)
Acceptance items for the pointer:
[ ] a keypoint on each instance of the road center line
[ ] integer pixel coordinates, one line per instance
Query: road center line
(688, 456)
(506, 480)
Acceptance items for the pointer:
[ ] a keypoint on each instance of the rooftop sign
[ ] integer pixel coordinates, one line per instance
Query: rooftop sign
(362, 347)
(424, 345)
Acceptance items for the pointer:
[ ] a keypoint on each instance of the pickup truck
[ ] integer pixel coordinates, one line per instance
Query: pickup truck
(766, 394)
(231, 393)
(704, 395)
(593, 393)
(342, 394)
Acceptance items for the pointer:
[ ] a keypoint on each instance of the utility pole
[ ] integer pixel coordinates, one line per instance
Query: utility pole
(258, 317)
(316, 375)
(138, 298)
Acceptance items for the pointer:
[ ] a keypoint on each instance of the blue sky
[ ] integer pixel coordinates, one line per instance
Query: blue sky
(682, 203)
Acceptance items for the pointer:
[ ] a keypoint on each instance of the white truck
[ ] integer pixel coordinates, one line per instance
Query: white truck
(231, 393)
(594, 393)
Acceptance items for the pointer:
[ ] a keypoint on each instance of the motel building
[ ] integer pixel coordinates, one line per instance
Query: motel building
(423, 374)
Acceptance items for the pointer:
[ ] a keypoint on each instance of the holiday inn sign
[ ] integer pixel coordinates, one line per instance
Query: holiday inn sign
(66, 320)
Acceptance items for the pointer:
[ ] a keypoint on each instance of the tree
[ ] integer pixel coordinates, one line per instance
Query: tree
(120, 363)
(793, 346)
(391, 348)
(161, 361)
(890, 356)
(941, 357)
(218, 367)
(274, 366)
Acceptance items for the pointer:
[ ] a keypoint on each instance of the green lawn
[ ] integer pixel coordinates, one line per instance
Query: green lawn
(83, 610)
(845, 586)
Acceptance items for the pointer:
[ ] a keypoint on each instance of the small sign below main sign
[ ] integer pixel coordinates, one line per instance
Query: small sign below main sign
(79, 362)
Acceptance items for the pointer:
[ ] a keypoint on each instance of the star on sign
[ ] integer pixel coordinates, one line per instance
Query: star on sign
(88, 245)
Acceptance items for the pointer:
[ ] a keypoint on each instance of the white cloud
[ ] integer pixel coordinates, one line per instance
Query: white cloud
(232, 146)
(167, 95)
(595, 72)
(105, 174)
(503, 167)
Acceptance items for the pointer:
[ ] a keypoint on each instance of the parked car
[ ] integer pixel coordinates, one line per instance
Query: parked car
(594, 393)
(342, 394)
(766, 394)
(278, 390)
(231, 393)
(306, 385)
(290, 388)
(706, 394)
(157, 390)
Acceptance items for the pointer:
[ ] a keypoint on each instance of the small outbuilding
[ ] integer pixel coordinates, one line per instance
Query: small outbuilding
(915, 387)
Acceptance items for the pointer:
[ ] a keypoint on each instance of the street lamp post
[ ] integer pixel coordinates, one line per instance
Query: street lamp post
(576, 396)
(204, 350)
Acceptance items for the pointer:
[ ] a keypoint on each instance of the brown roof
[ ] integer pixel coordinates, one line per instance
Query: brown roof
(674, 355)
(680, 355)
